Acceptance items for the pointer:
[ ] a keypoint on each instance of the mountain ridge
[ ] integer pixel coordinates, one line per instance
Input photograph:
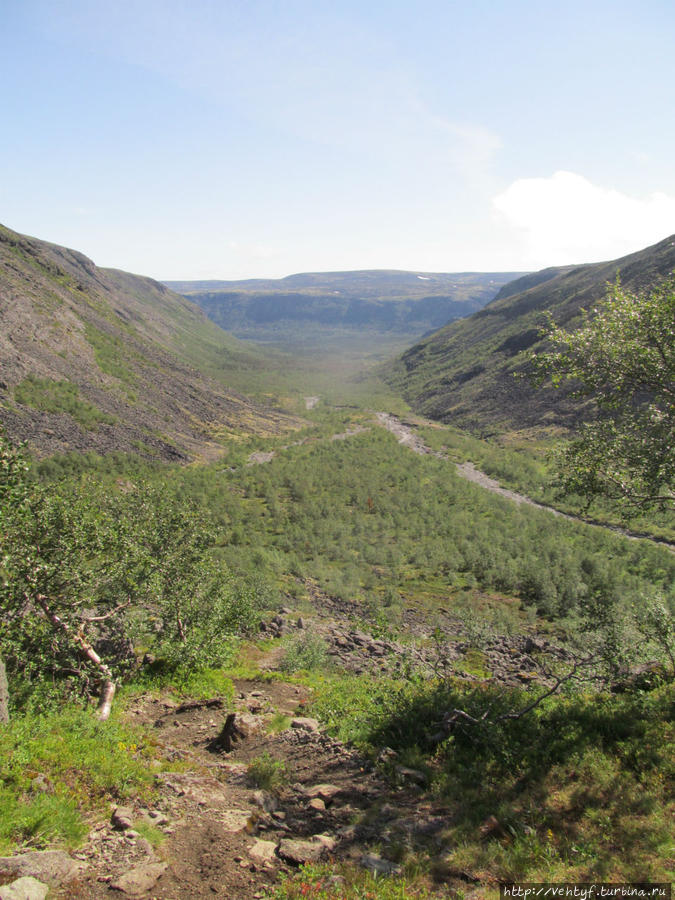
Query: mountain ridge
(99, 359)
(397, 303)
(472, 373)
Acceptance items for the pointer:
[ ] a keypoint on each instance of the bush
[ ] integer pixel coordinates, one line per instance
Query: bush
(305, 652)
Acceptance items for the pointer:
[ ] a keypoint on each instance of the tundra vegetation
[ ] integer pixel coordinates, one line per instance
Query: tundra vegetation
(118, 570)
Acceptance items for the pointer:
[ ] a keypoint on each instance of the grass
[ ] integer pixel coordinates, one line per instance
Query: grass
(109, 352)
(278, 723)
(196, 684)
(153, 835)
(60, 397)
(328, 882)
(57, 767)
(267, 773)
(580, 789)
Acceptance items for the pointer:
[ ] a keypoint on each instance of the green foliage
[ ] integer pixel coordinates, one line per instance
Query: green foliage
(110, 353)
(56, 767)
(304, 652)
(318, 882)
(656, 623)
(86, 563)
(268, 773)
(59, 397)
(623, 357)
(589, 771)
(365, 516)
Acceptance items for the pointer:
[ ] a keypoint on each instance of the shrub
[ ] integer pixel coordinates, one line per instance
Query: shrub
(305, 651)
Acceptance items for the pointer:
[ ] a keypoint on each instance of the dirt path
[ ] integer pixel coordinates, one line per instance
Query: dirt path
(221, 835)
(215, 832)
(408, 438)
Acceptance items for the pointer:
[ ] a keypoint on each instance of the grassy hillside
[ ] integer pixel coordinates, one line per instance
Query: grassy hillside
(97, 359)
(340, 308)
(468, 373)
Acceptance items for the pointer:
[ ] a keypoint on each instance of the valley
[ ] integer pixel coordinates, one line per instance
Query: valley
(362, 646)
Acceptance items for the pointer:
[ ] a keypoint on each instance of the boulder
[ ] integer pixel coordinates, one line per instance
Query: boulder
(325, 792)
(262, 850)
(25, 888)
(379, 866)
(298, 853)
(138, 881)
(122, 818)
(305, 723)
(52, 866)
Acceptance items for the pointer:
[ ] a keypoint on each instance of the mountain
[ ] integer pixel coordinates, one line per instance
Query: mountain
(315, 306)
(470, 373)
(98, 359)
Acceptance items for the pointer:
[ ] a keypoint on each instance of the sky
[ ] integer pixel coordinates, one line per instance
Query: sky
(195, 139)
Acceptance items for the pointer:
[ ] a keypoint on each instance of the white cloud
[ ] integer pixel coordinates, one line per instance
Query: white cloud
(567, 219)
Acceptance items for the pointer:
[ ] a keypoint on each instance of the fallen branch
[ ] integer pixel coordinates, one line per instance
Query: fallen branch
(451, 719)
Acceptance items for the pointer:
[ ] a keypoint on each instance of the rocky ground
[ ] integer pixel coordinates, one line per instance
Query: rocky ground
(215, 833)
(212, 831)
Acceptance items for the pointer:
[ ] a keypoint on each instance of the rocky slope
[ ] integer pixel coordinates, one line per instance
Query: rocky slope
(470, 372)
(97, 359)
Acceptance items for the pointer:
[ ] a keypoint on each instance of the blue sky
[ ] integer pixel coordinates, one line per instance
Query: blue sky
(246, 138)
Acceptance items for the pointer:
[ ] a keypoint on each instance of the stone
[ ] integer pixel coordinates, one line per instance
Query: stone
(298, 853)
(266, 801)
(490, 826)
(305, 723)
(328, 842)
(317, 804)
(52, 866)
(325, 792)
(202, 789)
(262, 850)
(379, 866)
(25, 888)
(411, 775)
(386, 755)
(138, 881)
(249, 724)
(4, 694)
(155, 817)
(235, 819)
(122, 818)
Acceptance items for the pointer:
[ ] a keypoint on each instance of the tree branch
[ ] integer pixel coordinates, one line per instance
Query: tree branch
(86, 650)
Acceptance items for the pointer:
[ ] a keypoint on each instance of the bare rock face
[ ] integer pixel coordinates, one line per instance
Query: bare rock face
(4, 694)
